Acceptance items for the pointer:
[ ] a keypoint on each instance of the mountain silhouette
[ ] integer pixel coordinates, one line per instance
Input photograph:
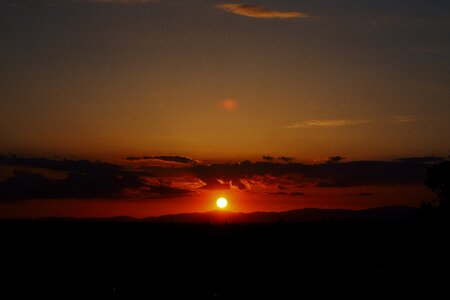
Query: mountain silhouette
(228, 254)
(380, 214)
(305, 215)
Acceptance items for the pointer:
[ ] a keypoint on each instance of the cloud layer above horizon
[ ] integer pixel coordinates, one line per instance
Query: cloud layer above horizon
(93, 180)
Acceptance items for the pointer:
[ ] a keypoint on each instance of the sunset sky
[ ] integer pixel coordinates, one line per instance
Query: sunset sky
(173, 96)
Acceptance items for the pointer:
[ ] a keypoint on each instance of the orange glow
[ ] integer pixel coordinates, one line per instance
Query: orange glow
(228, 104)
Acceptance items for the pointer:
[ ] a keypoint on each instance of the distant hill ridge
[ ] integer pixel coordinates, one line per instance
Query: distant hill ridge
(380, 214)
(305, 215)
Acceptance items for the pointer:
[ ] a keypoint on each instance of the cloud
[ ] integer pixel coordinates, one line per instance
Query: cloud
(334, 184)
(297, 194)
(238, 183)
(405, 119)
(229, 104)
(279, 194)
(420, 159)
(62, 165)
(358, 173)
(323, 175)
(326, 123)
(363, 194)
(287, 194)
(285, 158)
(258, 11)
(123, 1)
(268, 158)
(429, 50)
(25, 184)
(165, 191)
(334, 159)
(331, 123)
(83, 179)
(166, 158)
(215, 184)
(343, 174)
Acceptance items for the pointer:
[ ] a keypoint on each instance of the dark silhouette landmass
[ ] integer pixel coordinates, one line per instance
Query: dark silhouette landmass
(305, 215)
(387, 252)
(324, 253)
(438, 181)
(380, 214)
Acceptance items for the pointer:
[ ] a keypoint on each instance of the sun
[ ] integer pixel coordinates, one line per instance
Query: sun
(222, 202)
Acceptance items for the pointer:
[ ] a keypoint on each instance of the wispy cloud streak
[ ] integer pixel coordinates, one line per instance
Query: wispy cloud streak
(124, 1)
(258, 11)
(326, 123)
(406, 119)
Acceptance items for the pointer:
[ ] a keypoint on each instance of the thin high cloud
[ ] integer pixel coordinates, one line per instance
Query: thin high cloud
(331, 123)
(406, 119)
(326, 123)
(258, 11)
(124, 1)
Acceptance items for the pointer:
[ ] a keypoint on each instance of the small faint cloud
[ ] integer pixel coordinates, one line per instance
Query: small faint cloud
(165, 191)
(334, 159)
(286, 159)
(258, 11)
(420, 159)
(326, 123)
(406, 119)
(287, 194)
(279, 194)
(228, 104)
(267, 157)
(297, 194)
(428, 50)
(363, 194)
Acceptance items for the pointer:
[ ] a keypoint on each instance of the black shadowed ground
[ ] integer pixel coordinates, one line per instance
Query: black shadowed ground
(129, 258)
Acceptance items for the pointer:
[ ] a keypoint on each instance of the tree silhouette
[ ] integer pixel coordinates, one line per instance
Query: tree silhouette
(438, 181)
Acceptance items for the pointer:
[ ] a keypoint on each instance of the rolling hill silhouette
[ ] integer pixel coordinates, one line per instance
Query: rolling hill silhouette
(224, 255)
(305, 215)
(380, 214)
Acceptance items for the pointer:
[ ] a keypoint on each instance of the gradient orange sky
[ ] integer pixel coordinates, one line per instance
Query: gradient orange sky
(95, 78)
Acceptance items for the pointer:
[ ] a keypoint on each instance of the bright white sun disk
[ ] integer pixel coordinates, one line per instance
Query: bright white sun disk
(222, 202)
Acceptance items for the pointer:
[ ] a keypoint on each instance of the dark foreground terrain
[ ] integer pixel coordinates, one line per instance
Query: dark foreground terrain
(130, 259)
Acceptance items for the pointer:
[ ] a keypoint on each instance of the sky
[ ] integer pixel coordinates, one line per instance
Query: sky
(220, 82)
